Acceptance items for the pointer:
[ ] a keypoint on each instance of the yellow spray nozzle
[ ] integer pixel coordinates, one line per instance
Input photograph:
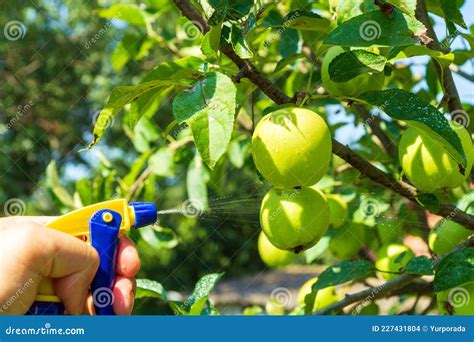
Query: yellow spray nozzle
(76, 223)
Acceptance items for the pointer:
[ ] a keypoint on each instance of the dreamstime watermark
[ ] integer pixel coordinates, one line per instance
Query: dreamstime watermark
(370, 207)
(367, 300)
(102, 297)
(192, 30)
(451, 215)
(458, 297)
(281, 297)
(102, 31)
(449, 39)
(21, 289)
(289, 197)
(175, 134)
(21, 111)
(460, 118)
(276, 35)
(14, 207)
(370, 30)
(47, 329)
(192, 208)
(14, 30)
(103, 120)
(281, 117)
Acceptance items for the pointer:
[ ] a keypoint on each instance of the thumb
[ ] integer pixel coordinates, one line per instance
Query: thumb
(71, 263)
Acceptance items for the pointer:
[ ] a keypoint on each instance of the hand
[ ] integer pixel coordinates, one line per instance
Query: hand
(29, 252)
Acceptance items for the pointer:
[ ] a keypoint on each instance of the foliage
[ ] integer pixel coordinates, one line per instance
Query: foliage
(138, 101)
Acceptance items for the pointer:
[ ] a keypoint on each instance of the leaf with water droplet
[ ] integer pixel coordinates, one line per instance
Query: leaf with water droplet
(208, 107)
(408, 107)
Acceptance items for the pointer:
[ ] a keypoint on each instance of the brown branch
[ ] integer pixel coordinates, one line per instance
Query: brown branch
(444, 73)
(374, 123)
(454, 68)
(136, 185)
(249, 71)
(371, 294)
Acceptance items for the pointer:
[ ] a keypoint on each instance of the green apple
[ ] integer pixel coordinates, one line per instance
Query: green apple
(347, 240)
(392, 258)
(272, 256)
(274, 308)
(447, 235)
(294, 219)
(457, 300)
(352, 88)
(292, 147)
(428, 165)
(324, 297)
(390, 231)
(337, 210)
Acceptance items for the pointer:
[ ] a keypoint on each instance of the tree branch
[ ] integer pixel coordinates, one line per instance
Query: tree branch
(444, 73)
(401, 285)
(371, 293)
(457, 70)
(374, 123)
(248, 70)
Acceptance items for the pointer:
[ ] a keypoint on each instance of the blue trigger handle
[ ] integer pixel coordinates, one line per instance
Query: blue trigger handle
(104, 227)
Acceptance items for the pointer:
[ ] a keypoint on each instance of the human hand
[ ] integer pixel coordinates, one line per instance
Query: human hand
(30, 252)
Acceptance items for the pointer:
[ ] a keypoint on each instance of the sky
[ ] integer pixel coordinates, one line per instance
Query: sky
(349, 133)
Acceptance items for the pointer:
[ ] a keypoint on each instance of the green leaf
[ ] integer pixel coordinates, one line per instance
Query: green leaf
(290, 43)
(211, 41)
(237, 152)
(376, 28)
(307, 21)
(178, 73)
(196, 183)
(129, 13)
(125, 49)
(405, 106)
(338, 274)
(147, 288)
(201, 293)
(310, 255)
(161, 163)
(350, 64)
(348, 9)
(272, 19)
(145, 133)
(406, 6)
(457, 268)
(119, 97)
(432, 80)
(452, 11)
(159, 237)
(208, 107)
(428, 201)
(282, 63)
(56, 187)
(240, 45)
(135, 169)
(420, 265)
(184, 71)
(83, 189)
(418, 50)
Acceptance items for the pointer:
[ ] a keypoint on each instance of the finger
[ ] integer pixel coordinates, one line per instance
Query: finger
(89, 307)
(124, 295)
(43, 220)
(72, 263)
(128, 262)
